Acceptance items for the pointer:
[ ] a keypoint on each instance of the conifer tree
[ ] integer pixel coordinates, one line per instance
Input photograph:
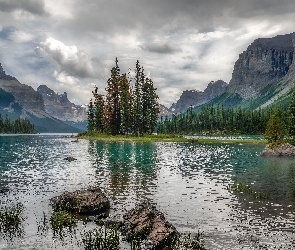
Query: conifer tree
(113, 116)
(99, 113)
(138, 99)
(291, 121)
(126, 104)
(275, 130)
(91, 116)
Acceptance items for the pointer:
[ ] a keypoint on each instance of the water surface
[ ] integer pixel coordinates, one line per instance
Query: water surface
(187, 182)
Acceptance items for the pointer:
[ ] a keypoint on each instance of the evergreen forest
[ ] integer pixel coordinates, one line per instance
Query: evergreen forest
(18, 126)
(218, 120)
(130, 105)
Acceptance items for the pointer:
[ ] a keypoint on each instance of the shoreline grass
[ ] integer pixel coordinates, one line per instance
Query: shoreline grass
(164, 138)
(132, 138)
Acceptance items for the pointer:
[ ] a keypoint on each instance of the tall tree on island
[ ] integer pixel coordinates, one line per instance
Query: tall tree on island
(113, 107)
(126, 100)
(275, 130)
(99, 113)
(91, 117)
(150, 107)
(291, 122)
(137, 120)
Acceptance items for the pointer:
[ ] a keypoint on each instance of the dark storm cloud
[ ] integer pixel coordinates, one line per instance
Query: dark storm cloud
(192, 41)
(121, 16)
(36, 7)
(159, 48)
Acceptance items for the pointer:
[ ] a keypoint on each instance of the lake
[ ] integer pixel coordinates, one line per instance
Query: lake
(188, 182)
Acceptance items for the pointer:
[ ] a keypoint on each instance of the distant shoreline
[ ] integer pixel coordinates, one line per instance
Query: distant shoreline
(164, 138)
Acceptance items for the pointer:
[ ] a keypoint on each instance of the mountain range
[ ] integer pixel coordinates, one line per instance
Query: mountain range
(263, 75)
(48, 111)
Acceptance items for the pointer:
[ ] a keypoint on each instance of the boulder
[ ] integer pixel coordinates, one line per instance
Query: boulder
(91, 201)
(146, 223)
(285, 149)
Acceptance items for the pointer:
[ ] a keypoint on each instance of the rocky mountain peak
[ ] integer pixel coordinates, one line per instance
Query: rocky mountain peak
(3, 75)
(265, 62)
(195, 97)
(59, 106)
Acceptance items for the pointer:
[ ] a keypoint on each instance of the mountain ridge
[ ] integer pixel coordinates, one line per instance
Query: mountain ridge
(263, 75)
(22, 101)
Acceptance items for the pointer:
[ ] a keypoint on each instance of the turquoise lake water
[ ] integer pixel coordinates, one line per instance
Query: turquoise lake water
(187, 182)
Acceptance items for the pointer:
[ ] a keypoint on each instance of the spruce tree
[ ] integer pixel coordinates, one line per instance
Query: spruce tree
(126, 104)
(99, 113)
(91, 116)
(275, 130)
(113, 116)
(138, 99)
(291, 121)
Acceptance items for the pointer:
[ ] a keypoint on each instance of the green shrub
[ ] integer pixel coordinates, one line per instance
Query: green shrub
(102, 238)
(62, 218)
(11, 218)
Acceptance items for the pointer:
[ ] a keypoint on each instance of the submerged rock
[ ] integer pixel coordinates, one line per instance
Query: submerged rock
(146, 223)
(70, 158)
(91, 201)
(285, 149)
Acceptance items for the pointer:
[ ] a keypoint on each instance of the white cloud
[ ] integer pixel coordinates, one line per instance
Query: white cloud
(73, 62)
(20, 36)
(195, 41)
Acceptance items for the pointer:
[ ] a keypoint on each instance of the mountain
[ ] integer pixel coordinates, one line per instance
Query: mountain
(263, 75)
(196, 98)
(265, 63)
(59, 107)
(20, 100)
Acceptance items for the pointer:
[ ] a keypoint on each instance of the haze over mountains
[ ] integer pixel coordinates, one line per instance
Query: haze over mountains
(262, 75)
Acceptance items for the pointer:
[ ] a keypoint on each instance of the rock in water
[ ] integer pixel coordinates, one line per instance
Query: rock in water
(285, 149)
(70, 158)
(91, 201)
(148, 224)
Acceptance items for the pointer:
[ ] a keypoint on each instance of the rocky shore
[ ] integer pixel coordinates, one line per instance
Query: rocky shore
(285, 149)
(144, 227)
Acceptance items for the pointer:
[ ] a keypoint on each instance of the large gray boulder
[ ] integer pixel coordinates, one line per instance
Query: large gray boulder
(91, 201)
(285, 149)
(146, 223)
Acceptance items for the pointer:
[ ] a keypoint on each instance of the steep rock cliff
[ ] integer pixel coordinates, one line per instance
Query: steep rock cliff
(266, 62)
(59, 106)
(27, 97)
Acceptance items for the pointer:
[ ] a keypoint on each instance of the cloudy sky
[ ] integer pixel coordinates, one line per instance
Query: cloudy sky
(71, 45)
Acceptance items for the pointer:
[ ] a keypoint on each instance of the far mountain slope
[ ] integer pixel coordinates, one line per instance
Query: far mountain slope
(18, 100)
(59, 107)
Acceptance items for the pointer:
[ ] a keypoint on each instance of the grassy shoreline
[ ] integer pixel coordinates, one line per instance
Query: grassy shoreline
(163, 138)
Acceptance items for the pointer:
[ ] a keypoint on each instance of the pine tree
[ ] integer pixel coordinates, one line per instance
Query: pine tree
(91, 116)
(113, 116)
(126, 104)
(138, 99)
(291, 116)
(275, 130)
(99, 113)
